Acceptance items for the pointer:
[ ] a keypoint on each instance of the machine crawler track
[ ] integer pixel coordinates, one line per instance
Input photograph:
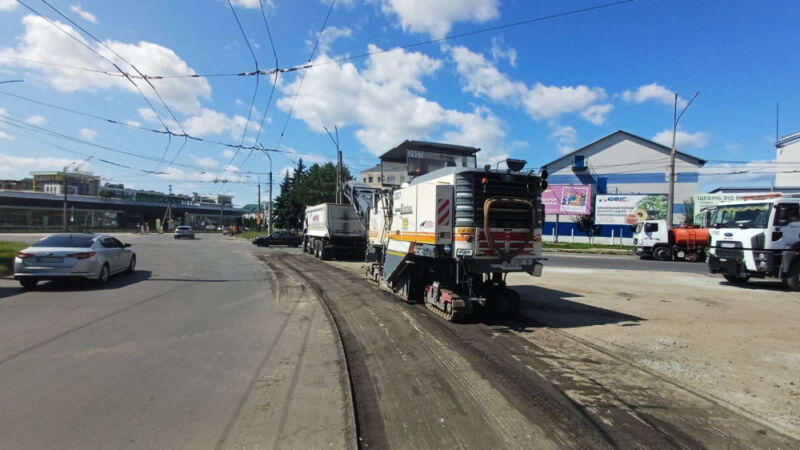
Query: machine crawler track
(457, 311)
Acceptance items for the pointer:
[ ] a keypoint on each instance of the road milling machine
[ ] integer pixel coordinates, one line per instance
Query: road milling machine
(445, 232)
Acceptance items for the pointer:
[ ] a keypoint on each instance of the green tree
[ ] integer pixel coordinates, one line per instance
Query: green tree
(105, 194)
(586, 224)
(305, 187)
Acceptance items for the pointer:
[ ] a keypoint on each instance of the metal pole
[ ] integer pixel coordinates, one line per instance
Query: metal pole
(269, 206)
(671, 199)
(675, 119)
(64, 187)
(259, 205)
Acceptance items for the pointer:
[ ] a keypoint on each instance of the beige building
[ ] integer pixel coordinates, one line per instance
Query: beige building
(395, 175)
(78, 183)
(787, 157)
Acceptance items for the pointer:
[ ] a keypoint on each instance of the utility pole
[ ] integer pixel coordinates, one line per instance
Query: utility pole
(259, 204)
(675, 119)
(64, 188)
(169, 207)
(338, 163)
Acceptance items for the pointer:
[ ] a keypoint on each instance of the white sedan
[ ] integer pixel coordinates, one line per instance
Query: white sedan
(73, 255)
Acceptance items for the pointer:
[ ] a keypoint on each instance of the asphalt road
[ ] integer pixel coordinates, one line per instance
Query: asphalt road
(421, 382)
(196, 349)
(622, 263)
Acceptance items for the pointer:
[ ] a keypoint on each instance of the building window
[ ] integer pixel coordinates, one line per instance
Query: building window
(365, 180)
(402, 178)
(390, 179)
(370, 179)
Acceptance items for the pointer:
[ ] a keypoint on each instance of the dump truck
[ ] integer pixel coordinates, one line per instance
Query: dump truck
(450, 235)
(757, 237)
(653, 239)
(332, 229)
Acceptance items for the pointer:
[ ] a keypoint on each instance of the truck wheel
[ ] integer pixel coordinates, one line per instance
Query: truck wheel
(318, 249)
(792, 280)
(323, 254)
(662, 254)
(736, 279)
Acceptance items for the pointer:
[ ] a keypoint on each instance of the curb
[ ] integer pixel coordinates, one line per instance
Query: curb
(590, 251)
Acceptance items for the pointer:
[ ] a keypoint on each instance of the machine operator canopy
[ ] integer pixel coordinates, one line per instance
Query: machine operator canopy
(420, 157)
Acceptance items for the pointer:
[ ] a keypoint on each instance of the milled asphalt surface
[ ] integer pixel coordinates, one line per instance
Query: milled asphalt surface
(197, 349)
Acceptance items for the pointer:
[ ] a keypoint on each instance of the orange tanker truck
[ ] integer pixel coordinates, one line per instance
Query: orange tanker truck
(653, 239)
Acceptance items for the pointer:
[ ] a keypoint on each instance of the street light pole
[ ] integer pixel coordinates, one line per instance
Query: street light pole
(259, 219)
(64, 188)
(675, 119)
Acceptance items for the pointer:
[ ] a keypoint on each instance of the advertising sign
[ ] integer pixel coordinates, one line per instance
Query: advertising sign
(568, 199)
(629, 209)
(704, 203)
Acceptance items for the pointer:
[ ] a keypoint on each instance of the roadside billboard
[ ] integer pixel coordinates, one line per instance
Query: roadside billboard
(629, 209)
(704, 203)
(567, 199)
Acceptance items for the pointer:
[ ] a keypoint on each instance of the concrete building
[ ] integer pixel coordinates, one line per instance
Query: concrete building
(41, 211)
(396, 174)
(78, 182)
(787, 158)
(623, 163)
(25, 184)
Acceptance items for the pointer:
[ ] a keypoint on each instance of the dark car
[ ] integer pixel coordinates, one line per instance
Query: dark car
(289, 238)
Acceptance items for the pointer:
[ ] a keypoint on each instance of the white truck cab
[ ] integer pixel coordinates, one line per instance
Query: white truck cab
(758, 237)
(651, 238)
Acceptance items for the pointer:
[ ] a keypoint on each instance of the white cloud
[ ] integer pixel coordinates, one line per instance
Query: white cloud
(204, 161)
(88, 134)
(482, 79)
(210, 122)
(437, 17)
(3, 134)
(228, 153)
(498, 53)
(150, 116)
(18, 166)
(36, 120)
(8, 5)
(43, 42)
(383, 102)
(566, 136)
(174, 173)
(85, 15)
(732, 174)
(596, 114)
(683, 140)
(133, 123)
(238, 102)
(652, 91)
(329, 36)
(252, 4)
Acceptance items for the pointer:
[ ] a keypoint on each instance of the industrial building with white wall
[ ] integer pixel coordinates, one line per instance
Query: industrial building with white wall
(621, 163)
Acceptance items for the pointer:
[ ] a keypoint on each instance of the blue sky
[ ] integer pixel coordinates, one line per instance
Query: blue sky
(532, 91)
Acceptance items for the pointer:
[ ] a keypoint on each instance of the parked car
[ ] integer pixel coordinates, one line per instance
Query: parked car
(72, 255)
(183, 231)
(279, 238)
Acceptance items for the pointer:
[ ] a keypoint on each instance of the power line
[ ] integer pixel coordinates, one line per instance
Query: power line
(158, 95)
(303, 76)
(274, 82)
(89, 47)
(5, 118)
(310, 65)
(255, 92)
(125, 124)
